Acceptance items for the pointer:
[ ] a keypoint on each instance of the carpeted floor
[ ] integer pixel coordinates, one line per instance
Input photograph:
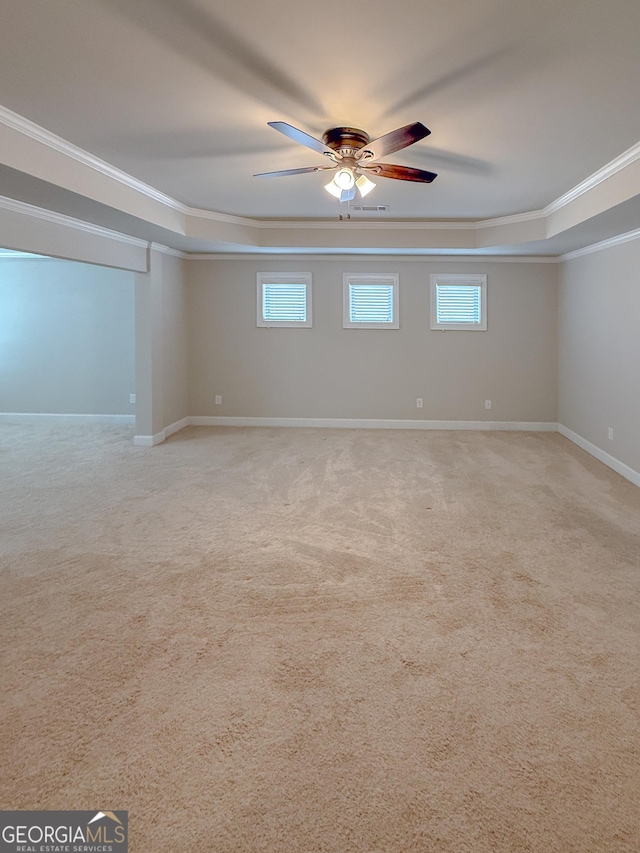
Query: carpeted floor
(322, 641)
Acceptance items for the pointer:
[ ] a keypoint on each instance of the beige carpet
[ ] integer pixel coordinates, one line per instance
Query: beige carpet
(322, 641)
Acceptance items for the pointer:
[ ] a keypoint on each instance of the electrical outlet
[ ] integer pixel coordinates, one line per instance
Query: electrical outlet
(132, 398)
(487, 404)
(610, 433)
(218, 399)
(419, 402)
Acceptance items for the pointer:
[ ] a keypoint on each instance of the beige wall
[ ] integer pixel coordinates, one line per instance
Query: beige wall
(562, 344)
(174, 340)
(599, 352)
(331, 372)
(66, 338)
(161, 335)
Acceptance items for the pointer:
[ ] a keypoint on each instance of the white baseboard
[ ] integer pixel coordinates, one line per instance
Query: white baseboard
(601, 455)
(176, 427)
(149, 440)
(340, 423)
(159, 437)
(372, 423)
(25, 418)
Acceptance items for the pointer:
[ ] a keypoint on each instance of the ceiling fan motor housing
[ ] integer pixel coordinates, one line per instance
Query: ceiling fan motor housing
(350, 138)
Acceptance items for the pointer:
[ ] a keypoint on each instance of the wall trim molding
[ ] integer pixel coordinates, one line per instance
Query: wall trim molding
(149, 440)
(603, 244)
(29, 418)
(371, 423)
(382, 423)
(176, 426)
(227, 218)
(26, 418)
(608, 170)
(442, 255)
(57, 143)
(512, 219)
(365, 224)
(163, 435)
(22, 207)
(602, 456)
(167, 250)
(353, 257)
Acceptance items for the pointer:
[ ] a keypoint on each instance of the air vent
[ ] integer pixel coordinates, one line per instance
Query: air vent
(369, 208)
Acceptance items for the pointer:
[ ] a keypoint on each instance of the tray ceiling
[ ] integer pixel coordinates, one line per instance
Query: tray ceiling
(525, 102)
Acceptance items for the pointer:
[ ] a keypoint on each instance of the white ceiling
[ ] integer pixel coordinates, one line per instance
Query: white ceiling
(524, 100)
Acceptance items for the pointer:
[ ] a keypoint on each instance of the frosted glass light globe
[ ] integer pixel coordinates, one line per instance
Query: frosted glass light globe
(344, 179)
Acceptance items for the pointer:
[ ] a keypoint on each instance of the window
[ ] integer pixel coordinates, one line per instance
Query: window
(284, 299)
(459, 302)
(370, 301)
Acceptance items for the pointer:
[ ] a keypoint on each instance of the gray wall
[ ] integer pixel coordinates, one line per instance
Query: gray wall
(66, 338)
(566, 334)
(174, 340)
(599, 352)
(161, 339)
(331, 372)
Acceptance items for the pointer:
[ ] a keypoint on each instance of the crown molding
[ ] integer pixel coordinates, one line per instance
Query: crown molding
(167, 250)
(603, 244)
(226, 218)
(22, 207)
(513, 219)
(442, 255)
(367, 224)
(57, 143)
(353, 258)
(362, 225)
(631, 155)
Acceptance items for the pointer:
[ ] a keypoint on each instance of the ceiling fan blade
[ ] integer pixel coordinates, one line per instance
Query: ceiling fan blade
(302, 137)
(284, 172)
(401, 173)
(394, 141)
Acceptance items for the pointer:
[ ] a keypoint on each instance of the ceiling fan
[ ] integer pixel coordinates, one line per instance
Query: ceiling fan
(353, 156)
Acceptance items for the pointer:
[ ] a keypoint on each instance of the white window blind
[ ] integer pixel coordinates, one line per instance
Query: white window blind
(370, 301)
(459, 302)
(455, 304)
(284, 302)
(284, 299)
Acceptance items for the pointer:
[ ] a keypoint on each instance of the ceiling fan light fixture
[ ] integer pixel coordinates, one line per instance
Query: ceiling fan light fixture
(343, 185)
(344, 179)
(333, 189)
(364, 185)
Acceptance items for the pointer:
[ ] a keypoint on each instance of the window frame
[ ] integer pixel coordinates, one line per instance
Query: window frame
(459, 280)
(266, 278)
(349, 278)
